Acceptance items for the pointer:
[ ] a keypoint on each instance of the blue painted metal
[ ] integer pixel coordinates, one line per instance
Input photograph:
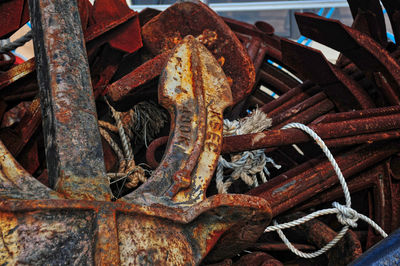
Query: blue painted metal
(386, 252)
(390, 37)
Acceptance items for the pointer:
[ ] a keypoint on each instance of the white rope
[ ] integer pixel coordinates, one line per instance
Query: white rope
(17, 43)
(345, 214)
(248, 164)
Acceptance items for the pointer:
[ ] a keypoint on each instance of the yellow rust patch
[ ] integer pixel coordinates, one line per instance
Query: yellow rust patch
(9, 246)
(257, 138)
(152, 241)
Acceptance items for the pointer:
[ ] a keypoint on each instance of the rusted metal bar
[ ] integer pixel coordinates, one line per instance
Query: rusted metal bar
(17, 73)
(14, 14)
(123, 90)
(277, 84)
(274, 138)
(312, 102)
(310, 114)
(284, 193)
(374, 178)
(373, 112)
(340, 88)
(286, 101)
(281, 247)
(73, 146)
(359, 7)
(258, 258)
(367, 54)
(195, 18)
(319, 234)
(280, 74)
(254, 31)
(388, 91)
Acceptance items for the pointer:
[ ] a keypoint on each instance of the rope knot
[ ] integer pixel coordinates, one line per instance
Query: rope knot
(346, 215)
(135, 174)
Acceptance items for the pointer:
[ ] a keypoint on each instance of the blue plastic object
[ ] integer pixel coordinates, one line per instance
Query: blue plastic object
(386, 252)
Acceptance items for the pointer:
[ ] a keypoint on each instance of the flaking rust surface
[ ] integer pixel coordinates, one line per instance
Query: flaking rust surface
(217, 97)
(165, 30)
(37, 238)
(164, 244)
(41, 226)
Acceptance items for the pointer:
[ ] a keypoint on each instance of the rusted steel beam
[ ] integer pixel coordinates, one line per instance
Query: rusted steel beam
(73, 147)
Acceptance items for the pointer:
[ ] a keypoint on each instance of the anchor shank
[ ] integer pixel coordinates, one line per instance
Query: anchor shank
(73, 149)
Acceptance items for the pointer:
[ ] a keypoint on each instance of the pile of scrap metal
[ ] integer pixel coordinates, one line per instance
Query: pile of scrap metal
(79, 183)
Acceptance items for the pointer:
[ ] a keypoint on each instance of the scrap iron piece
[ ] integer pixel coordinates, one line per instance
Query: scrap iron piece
(72, 139)
(354, 128)
(40, 223)
(114, 22)
(193, 18)
(340, 88)
(14, 14)
(384, 201)
(16, 73)
(373, 9)
(367, 54)
(125, 91)
(181, 92)
(284, 193)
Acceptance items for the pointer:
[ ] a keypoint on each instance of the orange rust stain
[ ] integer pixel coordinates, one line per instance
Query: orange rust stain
(9, 246)
(64, 117)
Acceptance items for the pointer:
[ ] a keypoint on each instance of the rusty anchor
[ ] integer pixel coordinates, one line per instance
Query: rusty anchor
(169, 220)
